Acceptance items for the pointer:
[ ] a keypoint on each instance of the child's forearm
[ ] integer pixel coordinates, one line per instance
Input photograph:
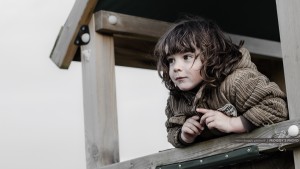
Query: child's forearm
(237, 125)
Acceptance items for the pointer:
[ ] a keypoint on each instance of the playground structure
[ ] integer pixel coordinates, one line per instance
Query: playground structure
(101, 38)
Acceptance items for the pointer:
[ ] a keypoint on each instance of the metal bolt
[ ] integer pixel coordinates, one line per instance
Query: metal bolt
(83, 28)
(112, 19)
(226, 156)
(249, 149)
(85, 37)
(179, 165)
(201, 161)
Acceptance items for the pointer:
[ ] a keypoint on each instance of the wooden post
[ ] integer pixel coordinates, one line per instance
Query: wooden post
(99, 93)
(64, 48)
(289, 26)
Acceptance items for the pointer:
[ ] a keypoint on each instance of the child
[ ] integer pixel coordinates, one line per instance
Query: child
(215, 89)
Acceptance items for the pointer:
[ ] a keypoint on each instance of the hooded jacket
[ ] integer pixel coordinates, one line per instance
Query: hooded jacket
(245, 92)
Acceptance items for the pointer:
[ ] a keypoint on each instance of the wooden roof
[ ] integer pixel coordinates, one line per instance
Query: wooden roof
(256, 19)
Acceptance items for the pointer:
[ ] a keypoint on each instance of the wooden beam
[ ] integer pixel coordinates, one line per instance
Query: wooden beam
(259, 46)
(150, 29)
(289, 27)
(130, 25)
(211, 147)
(64, 48)
(134, 52)
(99, 95)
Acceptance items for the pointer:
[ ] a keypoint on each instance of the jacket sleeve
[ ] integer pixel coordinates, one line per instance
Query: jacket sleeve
(174, 125)
(259, 100)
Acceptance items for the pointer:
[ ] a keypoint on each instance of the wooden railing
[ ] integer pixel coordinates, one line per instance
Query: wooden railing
(216, 146)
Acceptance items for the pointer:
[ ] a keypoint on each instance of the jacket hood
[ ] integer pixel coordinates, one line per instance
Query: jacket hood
(245, 62)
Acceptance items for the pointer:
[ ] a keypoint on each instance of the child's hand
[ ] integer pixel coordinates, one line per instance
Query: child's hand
(215, 119)
(191, 129)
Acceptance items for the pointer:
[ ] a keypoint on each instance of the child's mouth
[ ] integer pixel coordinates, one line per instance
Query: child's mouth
(179, 78)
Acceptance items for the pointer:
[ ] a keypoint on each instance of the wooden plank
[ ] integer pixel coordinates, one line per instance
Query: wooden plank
(211, 147)
(134, 52)
(99, 93)
(130, 58)
(64, 49)
(150, 29)
(259, 46)
(289, 27)
(130, 25)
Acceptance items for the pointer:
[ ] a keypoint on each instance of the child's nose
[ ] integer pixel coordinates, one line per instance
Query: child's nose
(177, 67)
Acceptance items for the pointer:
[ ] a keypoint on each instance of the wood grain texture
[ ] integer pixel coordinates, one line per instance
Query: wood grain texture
(100, 107)
(64, 50)
(210, 147)
(259, 46)
(150, 29)
(134, 52)
(130, 25)
(289, 27)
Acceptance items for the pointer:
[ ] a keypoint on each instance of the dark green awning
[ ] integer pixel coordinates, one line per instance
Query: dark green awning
(254, 18)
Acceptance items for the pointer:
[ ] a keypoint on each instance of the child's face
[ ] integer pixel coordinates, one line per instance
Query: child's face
(185, 70)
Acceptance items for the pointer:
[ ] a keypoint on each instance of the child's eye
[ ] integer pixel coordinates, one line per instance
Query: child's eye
(187, 56)
(170, 60)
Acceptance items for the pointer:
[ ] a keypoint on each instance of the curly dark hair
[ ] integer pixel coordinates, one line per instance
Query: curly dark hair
(218, 54)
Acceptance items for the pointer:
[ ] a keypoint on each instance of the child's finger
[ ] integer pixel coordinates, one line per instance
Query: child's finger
(202, 110)
(195, 130)
(204, 117)
(207, 113)
(190, 129)
(195, 121)
(209, 120)
(187, 130)
(195, 117)
(202, 120)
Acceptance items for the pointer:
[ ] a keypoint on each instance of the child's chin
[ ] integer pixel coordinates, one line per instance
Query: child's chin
(184, 88)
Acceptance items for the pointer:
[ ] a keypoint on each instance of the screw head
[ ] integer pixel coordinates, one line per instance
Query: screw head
(112, 19)
(293, 130)
(85, 38)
